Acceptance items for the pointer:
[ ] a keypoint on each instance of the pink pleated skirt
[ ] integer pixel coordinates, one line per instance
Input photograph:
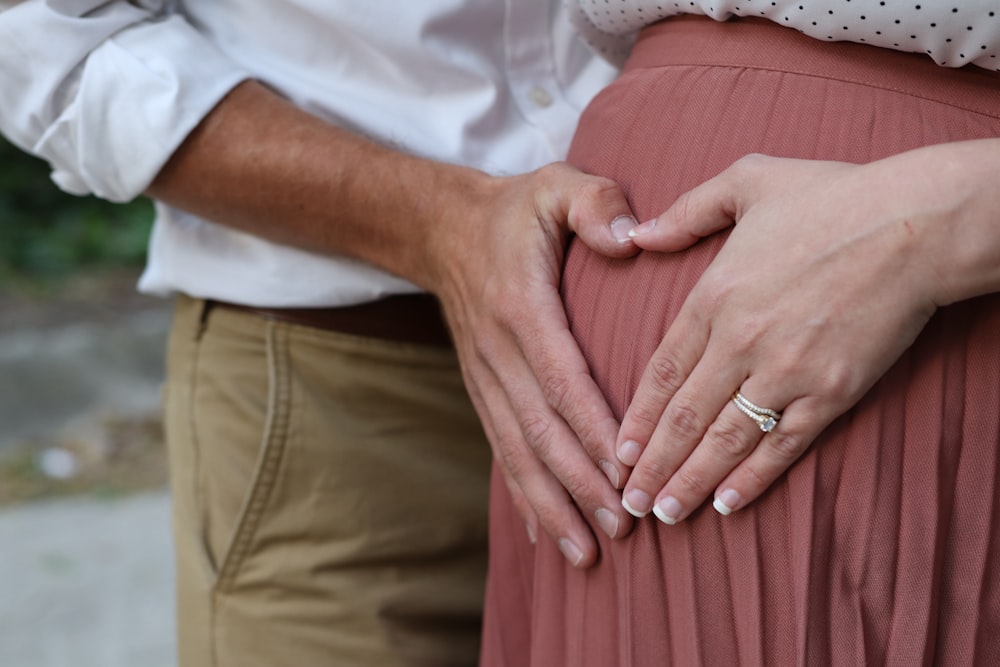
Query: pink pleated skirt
(881, 546)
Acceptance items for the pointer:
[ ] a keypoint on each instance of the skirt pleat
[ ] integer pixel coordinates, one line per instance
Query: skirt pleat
(881, 545)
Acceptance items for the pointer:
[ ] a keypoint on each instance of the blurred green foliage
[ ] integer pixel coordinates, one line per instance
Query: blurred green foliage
(46, 234)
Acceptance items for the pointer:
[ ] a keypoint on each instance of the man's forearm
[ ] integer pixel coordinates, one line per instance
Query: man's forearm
(259, 164)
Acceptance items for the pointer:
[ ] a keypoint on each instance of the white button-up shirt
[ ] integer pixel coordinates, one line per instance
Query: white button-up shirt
(107, 90)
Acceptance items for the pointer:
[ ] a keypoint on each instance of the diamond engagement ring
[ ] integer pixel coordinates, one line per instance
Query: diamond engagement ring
(766, 418)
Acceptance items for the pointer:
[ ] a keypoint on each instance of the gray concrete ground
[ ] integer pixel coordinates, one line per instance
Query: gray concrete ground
(85, 581)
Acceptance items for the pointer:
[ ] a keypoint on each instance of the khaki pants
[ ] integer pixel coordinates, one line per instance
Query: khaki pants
(329, 497)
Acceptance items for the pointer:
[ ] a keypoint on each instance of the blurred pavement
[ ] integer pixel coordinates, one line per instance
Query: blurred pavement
(54, 376)
(86, 580)
(87, 583)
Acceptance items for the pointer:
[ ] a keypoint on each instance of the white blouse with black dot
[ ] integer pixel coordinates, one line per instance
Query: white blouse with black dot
(952, 32)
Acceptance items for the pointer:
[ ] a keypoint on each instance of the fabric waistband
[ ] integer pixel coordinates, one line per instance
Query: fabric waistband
(404, 318)
(760, 44)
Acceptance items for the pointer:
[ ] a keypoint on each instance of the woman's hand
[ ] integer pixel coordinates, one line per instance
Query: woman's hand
(830, 273)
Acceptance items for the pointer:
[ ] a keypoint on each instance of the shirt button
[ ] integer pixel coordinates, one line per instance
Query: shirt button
(540, 97)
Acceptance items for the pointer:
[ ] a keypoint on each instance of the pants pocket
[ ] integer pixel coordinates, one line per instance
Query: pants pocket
(241, 405)
(268, 466)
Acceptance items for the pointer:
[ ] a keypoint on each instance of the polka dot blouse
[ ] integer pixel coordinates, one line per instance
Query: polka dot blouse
(953, 32)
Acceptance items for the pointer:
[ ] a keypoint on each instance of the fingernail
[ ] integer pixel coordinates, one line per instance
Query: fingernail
(629, 452)
(570, 551)
(608, 521)
(667, 510)
(610, 471)
(636, 502)
(621, 228)
(642, 229)
(532, 535)
(726, 502)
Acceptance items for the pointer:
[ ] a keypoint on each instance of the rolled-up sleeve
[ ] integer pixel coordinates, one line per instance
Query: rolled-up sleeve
(105, 91)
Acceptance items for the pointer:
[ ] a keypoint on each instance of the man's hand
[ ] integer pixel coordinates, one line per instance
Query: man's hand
(498, 275)
(491, 248)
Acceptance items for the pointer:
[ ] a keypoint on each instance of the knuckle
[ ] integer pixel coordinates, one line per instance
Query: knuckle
(593, 188)
(511, 457)
(579, 488)
(690, 482)
(665, 374)
(558, 389)
(549, 174)
(732, 441)
(548, 169)
(594, 200)
(714, 289)
(537, 429)
(839, 380)
(786, 446)
(645, 416)
(685, 422)
(589, 434)
(752, 330)
(749, 163)
(577, 408)
(509, 312)
(654, 472)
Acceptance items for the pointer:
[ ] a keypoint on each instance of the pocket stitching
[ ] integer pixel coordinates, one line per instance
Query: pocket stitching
(271, 453)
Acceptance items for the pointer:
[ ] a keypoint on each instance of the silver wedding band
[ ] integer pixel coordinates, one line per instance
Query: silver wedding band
(766, 418)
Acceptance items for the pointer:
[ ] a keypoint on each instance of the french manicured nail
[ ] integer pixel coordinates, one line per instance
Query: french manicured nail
(532, 535)
(726, 502)
(570, 551)
(621, 228)
(636, 502)
(610, 472)
(643, 228)
(668, 510)
(629, 452)
(608, 521)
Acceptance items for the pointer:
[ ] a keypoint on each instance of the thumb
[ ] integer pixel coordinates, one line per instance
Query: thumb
(694, 215)
(704, 210)
(600, 215)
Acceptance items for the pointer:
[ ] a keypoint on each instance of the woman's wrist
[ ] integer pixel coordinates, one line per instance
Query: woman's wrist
(949, 203)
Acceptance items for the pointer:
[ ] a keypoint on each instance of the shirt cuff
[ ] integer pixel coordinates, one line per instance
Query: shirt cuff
(141, 93)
